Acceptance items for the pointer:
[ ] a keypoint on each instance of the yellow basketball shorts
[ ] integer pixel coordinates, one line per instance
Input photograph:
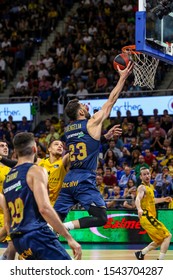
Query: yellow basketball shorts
(155, 229)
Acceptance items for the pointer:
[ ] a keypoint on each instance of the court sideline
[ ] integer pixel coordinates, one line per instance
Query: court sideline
(111, 251)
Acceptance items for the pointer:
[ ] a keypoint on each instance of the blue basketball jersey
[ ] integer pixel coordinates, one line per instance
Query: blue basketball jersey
(83, 149)
(25, 216)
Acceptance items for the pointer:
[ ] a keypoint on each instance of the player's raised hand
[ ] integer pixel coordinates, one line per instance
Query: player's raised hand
(127, 71)
(114, 131)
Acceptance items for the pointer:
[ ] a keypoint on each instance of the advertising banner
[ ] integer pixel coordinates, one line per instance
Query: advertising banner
(147, 104)
(122, 227)
(16, 110)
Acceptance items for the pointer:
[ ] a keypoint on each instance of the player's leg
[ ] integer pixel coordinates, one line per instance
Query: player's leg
(141, 254)
(9, 253)
(92, 201)
(164, 247)
(158, 234)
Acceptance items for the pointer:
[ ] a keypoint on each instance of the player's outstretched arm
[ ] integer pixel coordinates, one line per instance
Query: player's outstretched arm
(163, 199)
(107, 107)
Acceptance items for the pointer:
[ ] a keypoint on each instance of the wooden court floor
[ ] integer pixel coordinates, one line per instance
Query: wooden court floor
(112, 251)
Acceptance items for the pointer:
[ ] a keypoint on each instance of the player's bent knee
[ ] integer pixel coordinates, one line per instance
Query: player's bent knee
(104, 219)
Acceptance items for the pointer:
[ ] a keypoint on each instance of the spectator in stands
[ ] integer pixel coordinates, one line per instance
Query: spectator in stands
(146, 142)
(42, 71)
(100, 184)
(48, 60)
(140, 164)
(53, 134)
(2, 63)
(156, 114)
(141, 134)
(100, 171)
(166, 123)
(124, 125)
(112, 164)
(159, 129)
(22, 83)
(126, 177)
(167, 157)
(129, 202)
(13, 125)
(24, 125)
(118, 118)
(101, 83)
(77, 68)
(115, 200)
(130, 184)
(82, 92)
(109, 179)
(163, 183)
(157, 142)
(56, 87)
(60, 49)
(155, 167)
(164, 116)
(139, 123)
(126, 158)
(45, 98)
(129, 117)
(170, 166)
(149, 157)
(135, 158)
(151, 124)
(134, 145)
(130, 134)
(44, 82)
(90, 82)
(112, 146)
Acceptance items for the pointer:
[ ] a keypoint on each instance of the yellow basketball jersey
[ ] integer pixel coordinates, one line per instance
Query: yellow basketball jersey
(3, 172)
(56, 174)
(148, 201)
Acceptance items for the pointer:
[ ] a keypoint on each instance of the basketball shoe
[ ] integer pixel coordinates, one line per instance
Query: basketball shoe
(139, 255)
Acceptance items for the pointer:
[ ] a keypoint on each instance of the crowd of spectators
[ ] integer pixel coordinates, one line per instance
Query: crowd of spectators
(79, 61)
(23, 26)
(120, 158)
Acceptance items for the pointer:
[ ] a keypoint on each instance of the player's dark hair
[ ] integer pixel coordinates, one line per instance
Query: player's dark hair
(72, 108)
(23, 142)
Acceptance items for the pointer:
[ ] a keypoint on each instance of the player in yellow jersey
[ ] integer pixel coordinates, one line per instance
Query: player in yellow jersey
(56, 166)
(3, 207)
(9, 252)
(145, 204)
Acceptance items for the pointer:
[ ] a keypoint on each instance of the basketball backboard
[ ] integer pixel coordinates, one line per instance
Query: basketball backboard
(154, 29)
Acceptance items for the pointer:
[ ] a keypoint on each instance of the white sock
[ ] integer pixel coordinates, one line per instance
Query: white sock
(69, 225)
(161, 256)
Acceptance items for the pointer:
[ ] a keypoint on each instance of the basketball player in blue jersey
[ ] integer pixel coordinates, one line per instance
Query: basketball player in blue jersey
(83, 141)
(26, 194)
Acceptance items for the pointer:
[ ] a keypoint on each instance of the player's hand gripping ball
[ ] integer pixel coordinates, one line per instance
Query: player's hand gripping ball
(121, 60)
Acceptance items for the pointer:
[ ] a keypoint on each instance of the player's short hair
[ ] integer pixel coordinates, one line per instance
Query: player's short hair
(72, 108)
(143, 168)
(23, 143)
(53, 139)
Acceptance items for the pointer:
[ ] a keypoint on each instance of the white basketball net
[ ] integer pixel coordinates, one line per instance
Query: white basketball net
(144, 69)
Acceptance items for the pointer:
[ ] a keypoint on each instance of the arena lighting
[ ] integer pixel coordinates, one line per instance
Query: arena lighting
(163, 8)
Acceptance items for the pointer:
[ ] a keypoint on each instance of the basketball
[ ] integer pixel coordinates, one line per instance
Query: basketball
(121, 60)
